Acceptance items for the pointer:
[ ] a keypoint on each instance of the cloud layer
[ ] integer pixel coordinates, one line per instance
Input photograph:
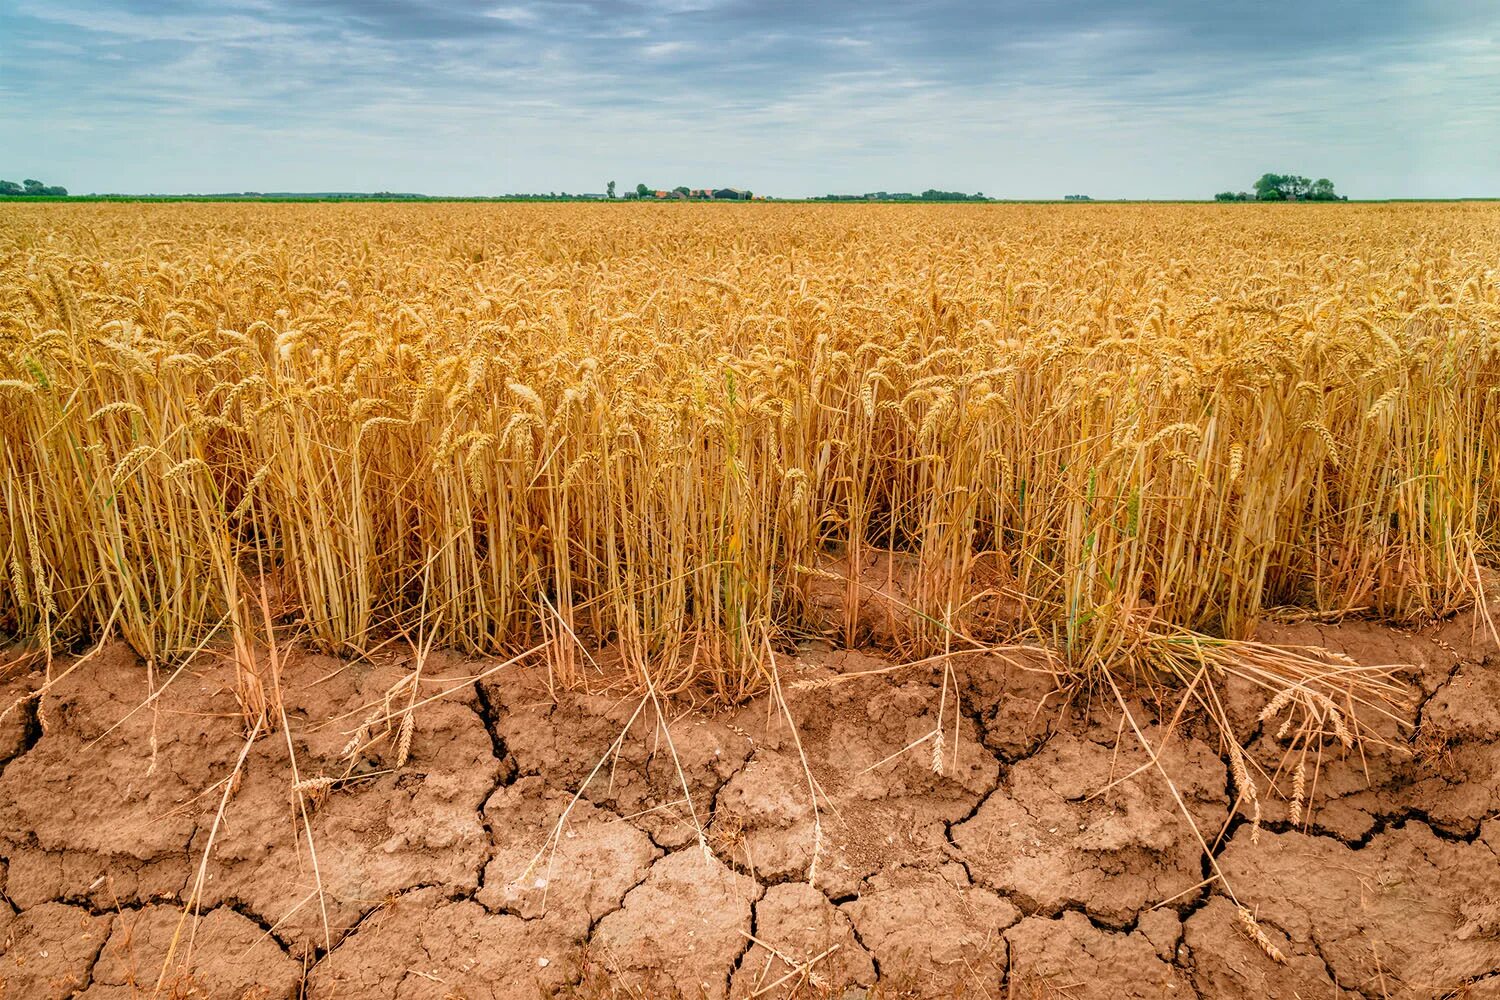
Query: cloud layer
(1160, 98)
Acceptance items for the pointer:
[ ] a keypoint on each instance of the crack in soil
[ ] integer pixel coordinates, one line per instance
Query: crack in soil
(620, 904)
(1381, 823)
(854, 929)
(506, 773)
(739, 959)
(93, 963)
(31, 730)
(319, 953)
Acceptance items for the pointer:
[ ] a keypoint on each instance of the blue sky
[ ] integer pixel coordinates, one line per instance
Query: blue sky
(1153, 99)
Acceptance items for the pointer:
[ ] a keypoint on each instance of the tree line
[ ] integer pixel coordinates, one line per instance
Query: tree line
(931, 194)
(31, 187)
(1285, 187)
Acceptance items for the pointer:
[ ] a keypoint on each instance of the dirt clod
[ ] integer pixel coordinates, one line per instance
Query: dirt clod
(424, 945)
(49, 951)
(376, 834)
(1227, 965)
(571, 879)
(221, 955)
(803, 940)
(683, 928)
(1081, 824)
(879, 807)
(1071, 957)
(1441, 756)
(639, 779)
(1408, 915)
(102, 807)
(931, 935)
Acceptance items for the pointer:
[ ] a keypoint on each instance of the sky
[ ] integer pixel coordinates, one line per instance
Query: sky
(1149, 99)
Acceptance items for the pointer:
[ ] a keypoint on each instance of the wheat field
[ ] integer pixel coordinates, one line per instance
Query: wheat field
(693, 433)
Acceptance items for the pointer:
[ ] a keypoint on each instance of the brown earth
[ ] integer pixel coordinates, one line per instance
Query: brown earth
(540, 842)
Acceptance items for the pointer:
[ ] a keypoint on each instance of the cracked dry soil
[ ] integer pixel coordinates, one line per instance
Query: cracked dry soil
(1040, 860)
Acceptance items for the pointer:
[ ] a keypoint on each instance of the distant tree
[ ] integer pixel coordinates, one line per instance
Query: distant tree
(33, 186)
(1268, 188)
(1288, 187)
(10, 187)
(55, 191)
(642, 191)
(1279, 189)
(683, 189)
(611, 189)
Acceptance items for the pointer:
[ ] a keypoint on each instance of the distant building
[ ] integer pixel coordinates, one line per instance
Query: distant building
(701, 194)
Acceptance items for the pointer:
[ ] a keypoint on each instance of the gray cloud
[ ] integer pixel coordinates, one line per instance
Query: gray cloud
(1155, 99)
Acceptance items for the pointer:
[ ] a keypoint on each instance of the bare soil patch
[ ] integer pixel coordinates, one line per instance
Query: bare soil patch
(1035, 850)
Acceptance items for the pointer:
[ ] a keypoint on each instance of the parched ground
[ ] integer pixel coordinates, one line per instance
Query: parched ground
(540, 842)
